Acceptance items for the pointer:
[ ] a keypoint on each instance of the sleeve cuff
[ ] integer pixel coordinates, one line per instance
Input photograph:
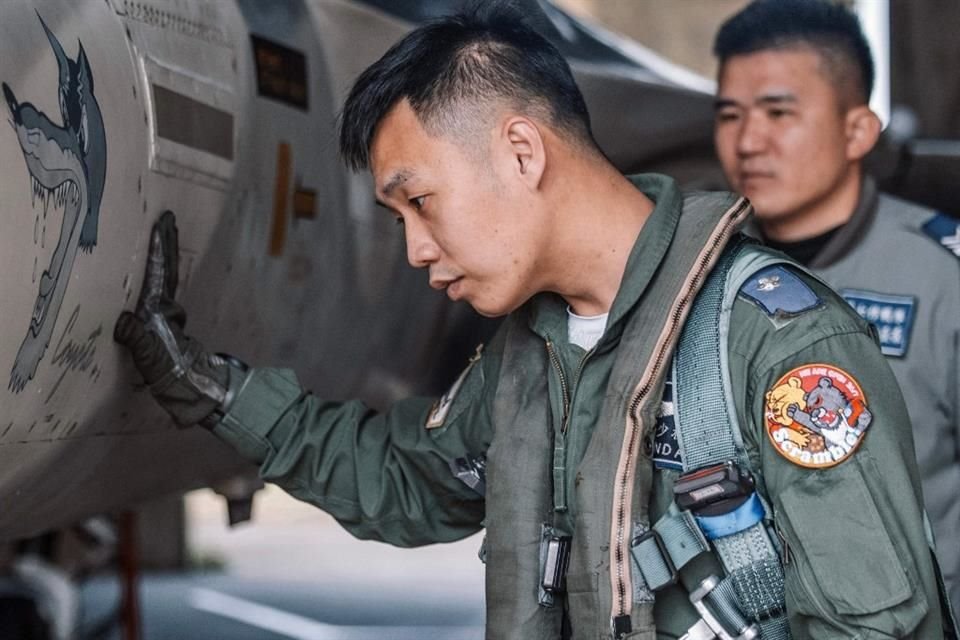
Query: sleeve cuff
(264, 397)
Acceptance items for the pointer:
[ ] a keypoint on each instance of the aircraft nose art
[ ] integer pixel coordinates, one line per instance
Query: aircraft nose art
(224, 113)
(78, 194)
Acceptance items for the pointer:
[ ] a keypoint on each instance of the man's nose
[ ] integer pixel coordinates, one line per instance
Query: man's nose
(752, 136)
(422, 250)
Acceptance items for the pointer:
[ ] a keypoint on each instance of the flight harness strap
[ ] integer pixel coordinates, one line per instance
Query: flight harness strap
(716, 491)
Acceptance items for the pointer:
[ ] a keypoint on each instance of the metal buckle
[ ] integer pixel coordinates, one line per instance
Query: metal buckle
(709, 627)
(713, 490)
(664, 554)
(555, 566)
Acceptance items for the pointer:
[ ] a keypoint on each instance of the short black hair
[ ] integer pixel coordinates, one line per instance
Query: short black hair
(453, 69)
(831, 29)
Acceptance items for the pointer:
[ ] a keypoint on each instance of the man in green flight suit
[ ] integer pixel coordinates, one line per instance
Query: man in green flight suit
(479, 142)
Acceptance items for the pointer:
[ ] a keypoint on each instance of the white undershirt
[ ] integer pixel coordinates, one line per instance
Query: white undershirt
(585, 331)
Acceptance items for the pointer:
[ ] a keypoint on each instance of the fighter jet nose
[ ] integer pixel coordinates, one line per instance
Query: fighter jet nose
(11, 99)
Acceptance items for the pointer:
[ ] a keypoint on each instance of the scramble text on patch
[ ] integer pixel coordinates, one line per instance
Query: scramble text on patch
(816, 415)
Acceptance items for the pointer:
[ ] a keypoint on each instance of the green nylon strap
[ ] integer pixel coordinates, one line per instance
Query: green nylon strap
(706, 437)
(708, 433)
(682, 540)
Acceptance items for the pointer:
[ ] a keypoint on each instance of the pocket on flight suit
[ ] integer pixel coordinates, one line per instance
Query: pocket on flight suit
(841, 536)
(583, 602)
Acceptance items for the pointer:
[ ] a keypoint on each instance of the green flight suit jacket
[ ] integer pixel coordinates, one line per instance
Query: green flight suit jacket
(857, 566)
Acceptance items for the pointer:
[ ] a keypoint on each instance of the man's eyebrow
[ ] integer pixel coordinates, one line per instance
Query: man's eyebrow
(396, 180)
(764, 100)
(723, 103)
(775, 98)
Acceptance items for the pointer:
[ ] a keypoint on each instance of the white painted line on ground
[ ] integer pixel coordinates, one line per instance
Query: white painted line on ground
(261, 616)
(299, 627)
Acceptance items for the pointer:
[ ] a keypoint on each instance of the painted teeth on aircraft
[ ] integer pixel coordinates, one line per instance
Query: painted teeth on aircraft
(65, 193)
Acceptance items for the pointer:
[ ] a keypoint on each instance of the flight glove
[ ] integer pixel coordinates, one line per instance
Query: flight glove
(192, 385)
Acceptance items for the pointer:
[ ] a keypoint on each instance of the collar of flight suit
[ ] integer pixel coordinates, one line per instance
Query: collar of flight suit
(548, 314)
(852, 232)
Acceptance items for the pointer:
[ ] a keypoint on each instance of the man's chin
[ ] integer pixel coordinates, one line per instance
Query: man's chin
(488, 309)
(764, 210)
(490, 314)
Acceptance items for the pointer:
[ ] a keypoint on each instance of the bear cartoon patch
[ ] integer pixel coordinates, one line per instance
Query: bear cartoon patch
(816, 415)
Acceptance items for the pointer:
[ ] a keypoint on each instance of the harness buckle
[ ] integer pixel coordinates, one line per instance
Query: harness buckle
(709, 627)
(714, 490)
(664, 555)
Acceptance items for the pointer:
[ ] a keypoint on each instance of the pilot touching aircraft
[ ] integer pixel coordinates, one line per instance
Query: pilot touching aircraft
(635, 316)
(792, 128)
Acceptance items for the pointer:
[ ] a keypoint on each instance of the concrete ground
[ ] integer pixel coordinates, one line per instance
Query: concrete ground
(289, 539)
(294, 573)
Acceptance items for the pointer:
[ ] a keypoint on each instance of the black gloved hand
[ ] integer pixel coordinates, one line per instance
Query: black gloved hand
(189, 383)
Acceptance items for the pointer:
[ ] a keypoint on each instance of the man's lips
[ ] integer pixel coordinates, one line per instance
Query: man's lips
(443, 283)
(453, 289)
(747, 177)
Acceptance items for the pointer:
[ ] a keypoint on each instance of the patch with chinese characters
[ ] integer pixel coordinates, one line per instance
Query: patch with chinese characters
(441, 408)
(779, 292)
(666, 448)
(891, 315)
(816, 415)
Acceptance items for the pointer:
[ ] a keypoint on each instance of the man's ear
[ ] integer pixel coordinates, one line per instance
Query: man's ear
(862, 130)
(527, 150)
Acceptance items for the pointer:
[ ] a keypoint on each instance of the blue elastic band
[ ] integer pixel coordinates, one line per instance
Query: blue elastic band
(740, 519)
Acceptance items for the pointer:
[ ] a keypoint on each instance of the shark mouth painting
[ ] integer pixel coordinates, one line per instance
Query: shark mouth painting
(67, 168)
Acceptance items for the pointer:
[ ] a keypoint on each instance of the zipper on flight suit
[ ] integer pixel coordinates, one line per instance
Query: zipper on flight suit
(560, 439)
(621, 579)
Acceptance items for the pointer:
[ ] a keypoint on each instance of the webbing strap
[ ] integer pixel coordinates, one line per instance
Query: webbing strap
(708, 433)
(774, 628)
(724, 601)
(723, 604)
(754, 570)
(707, 437)
(676, 540)
(740, 519)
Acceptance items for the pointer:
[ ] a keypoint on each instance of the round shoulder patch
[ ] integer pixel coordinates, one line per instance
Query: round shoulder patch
(816, 415)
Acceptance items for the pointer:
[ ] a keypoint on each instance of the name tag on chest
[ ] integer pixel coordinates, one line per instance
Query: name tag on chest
(892, 315)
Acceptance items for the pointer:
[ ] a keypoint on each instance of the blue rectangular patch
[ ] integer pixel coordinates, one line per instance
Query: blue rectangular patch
(666, 450)
(892, 316)
(776, 290)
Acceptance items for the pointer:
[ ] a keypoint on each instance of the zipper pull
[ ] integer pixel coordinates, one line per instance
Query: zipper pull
(622, 626)
(477, 354)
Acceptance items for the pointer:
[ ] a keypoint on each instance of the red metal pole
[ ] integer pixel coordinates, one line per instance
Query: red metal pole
(129, 576)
